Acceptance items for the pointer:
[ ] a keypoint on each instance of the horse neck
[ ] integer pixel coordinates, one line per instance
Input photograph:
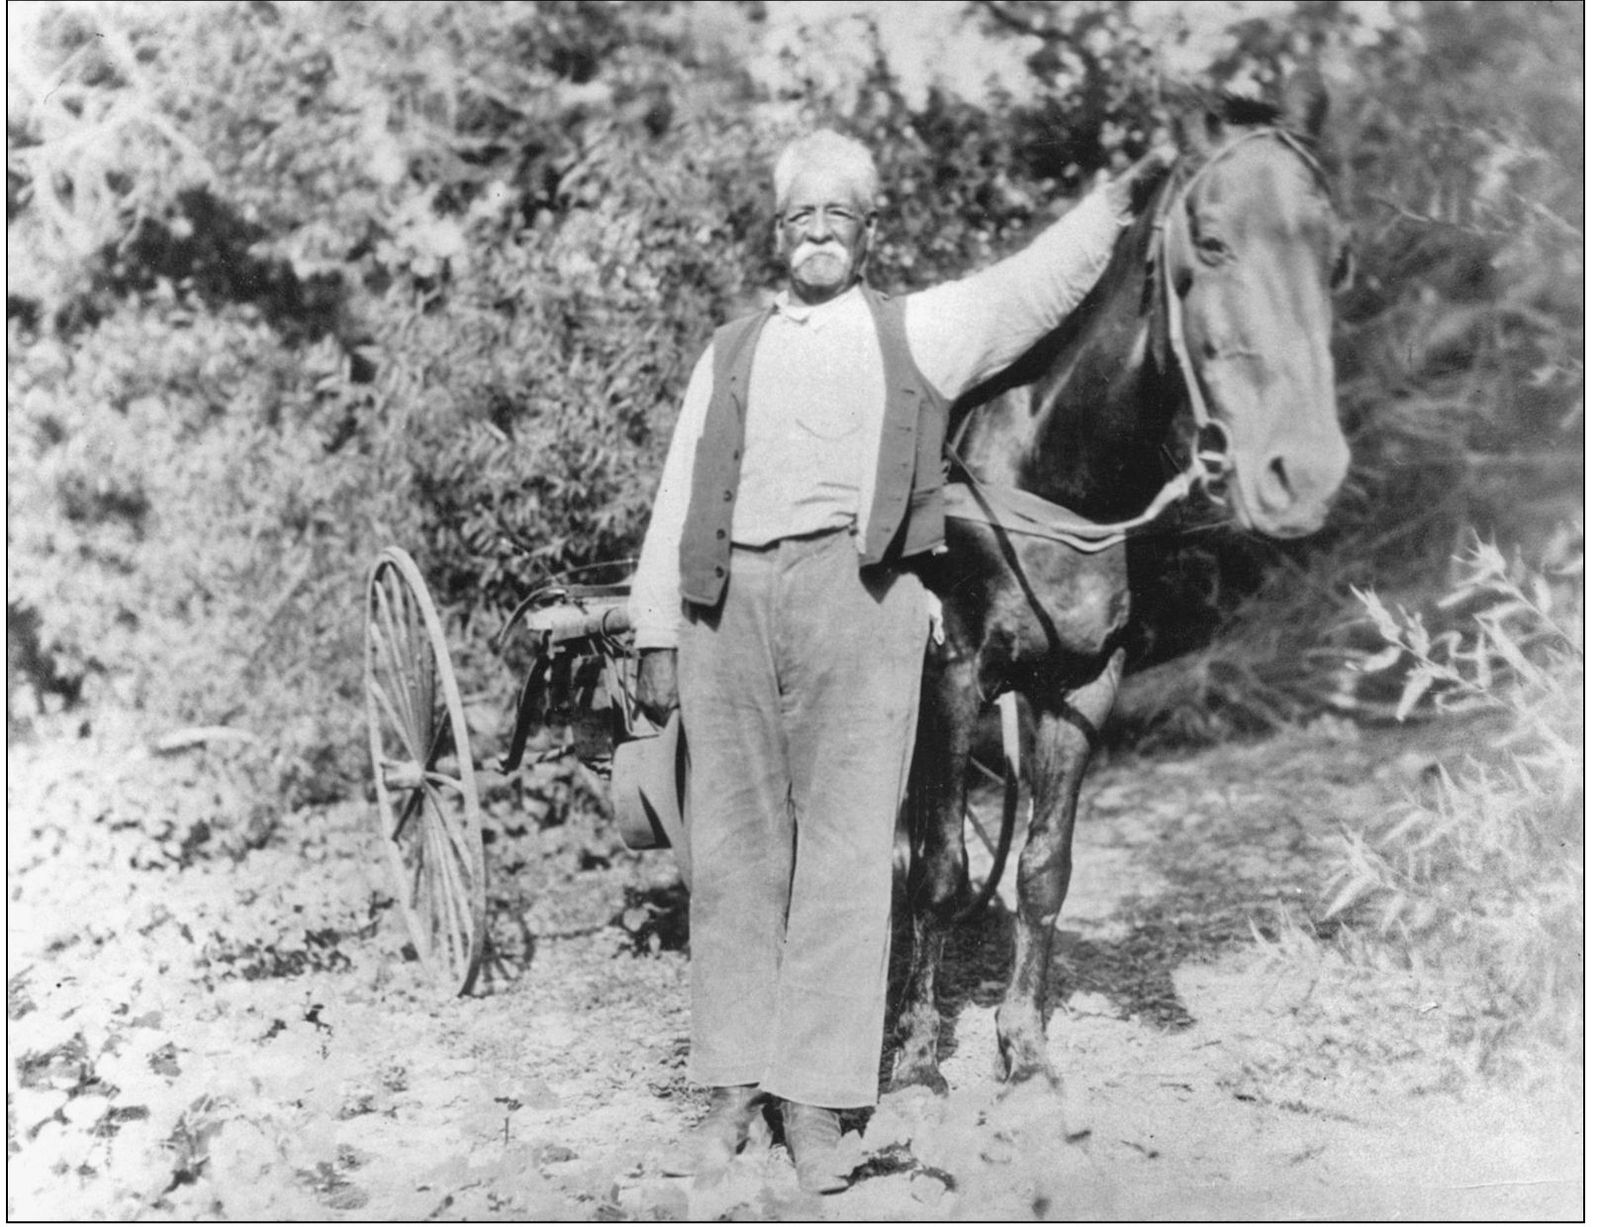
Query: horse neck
(1104, 409)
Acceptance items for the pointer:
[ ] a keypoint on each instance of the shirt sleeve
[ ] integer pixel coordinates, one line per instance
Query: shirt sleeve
(655, 604)
(964, 331)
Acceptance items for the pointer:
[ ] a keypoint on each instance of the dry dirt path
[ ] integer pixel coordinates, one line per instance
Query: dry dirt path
(243, 1039)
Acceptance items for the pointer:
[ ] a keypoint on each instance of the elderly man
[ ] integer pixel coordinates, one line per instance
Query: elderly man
(776, 595)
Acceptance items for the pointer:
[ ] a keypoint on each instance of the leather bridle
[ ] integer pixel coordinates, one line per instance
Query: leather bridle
(1209, 466)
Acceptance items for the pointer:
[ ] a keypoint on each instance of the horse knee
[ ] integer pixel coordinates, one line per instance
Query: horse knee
(939, 883)
(1042, 881)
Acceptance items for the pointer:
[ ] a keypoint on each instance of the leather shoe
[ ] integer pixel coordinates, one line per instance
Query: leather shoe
(720, 1134)
(812, 1135)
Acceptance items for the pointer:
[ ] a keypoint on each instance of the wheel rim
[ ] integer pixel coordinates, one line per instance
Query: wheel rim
(431, 825)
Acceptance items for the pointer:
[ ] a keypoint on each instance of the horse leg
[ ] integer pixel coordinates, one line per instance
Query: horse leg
(1065, 738)
(938, 887)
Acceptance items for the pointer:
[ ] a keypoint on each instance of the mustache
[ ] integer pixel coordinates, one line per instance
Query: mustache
(808, 249)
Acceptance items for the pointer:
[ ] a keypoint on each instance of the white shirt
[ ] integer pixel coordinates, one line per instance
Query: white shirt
(816, 408)
(819, 378)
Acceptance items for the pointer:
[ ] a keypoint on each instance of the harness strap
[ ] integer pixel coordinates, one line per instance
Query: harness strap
(1011, 509)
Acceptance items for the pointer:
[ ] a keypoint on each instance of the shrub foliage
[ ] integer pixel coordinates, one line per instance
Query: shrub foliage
(1479, 875)
(290, 282)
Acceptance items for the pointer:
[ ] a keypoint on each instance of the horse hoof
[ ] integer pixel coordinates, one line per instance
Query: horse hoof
(919, 1075)
(1031, 1072)
(1022, 1062)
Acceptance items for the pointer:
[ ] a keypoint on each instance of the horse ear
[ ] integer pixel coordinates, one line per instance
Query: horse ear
(1306, 102)
(1194, 131)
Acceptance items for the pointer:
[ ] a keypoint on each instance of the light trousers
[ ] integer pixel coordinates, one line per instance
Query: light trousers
(800, 697)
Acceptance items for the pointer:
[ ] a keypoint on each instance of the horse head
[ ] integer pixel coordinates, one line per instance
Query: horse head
(1249, 252)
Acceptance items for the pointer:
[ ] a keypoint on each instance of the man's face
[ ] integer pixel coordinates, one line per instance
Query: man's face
(825, 232)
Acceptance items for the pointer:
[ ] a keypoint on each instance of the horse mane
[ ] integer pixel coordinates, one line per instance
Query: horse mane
(1132, 246)
(1238, 110)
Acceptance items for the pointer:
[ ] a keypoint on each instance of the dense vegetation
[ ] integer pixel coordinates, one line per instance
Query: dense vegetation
(289, 282)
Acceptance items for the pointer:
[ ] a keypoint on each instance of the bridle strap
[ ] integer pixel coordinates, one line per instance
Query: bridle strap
(1172, 300)
(1011, 509)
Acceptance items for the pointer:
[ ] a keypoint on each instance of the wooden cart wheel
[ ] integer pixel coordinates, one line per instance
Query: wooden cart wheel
(990, 827)
(432, 828)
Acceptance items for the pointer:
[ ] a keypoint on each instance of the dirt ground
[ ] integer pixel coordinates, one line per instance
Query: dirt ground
(202, 1036)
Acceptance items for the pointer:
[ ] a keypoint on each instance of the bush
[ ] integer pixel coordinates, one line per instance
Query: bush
(296, 281)
(1480, 878)
(189, 545)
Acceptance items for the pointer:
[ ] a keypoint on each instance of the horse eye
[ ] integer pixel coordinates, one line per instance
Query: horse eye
(1211, 247)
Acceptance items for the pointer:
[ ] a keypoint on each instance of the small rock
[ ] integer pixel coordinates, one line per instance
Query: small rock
(927, 1189)
(84, 1110)
(33, 1105)
(555, 1153)
(354, 1100)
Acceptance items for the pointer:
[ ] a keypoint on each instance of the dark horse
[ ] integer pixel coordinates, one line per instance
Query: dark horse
(1208, 337)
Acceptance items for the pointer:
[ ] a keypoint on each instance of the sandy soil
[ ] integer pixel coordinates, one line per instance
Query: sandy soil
(198, 1036)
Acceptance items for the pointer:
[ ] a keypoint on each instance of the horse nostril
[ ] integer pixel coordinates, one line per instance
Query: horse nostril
(1278, 491)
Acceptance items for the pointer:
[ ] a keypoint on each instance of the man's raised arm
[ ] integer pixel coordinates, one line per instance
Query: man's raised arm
(964, 331)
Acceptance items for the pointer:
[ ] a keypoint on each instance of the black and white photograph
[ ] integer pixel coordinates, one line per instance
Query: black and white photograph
(831, 611)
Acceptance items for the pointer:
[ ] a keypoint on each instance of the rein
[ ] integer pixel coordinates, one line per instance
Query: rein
(1012, 509)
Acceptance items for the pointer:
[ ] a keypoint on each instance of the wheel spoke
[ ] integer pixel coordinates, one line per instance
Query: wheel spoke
(420, 651)
(420, 868)
(456, 843)
(437, 743)
(430, 905)
(412, 808)
(452, 909)
(994, 777)
(467, 886)
(440, 904)
(400, 650)
(393, 642)
(410, 662)
(978, 828)
(396, 699)
(396, 720)
(446, 781)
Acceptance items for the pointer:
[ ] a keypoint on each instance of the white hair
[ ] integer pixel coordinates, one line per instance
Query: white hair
(844, 154)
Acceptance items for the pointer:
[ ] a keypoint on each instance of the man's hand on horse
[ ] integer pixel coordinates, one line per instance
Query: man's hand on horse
(1129, 191)
(658, 683)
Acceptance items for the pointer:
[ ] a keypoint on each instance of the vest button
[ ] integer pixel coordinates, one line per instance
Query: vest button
(728, 496)
(719, 572)
(722, 535)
